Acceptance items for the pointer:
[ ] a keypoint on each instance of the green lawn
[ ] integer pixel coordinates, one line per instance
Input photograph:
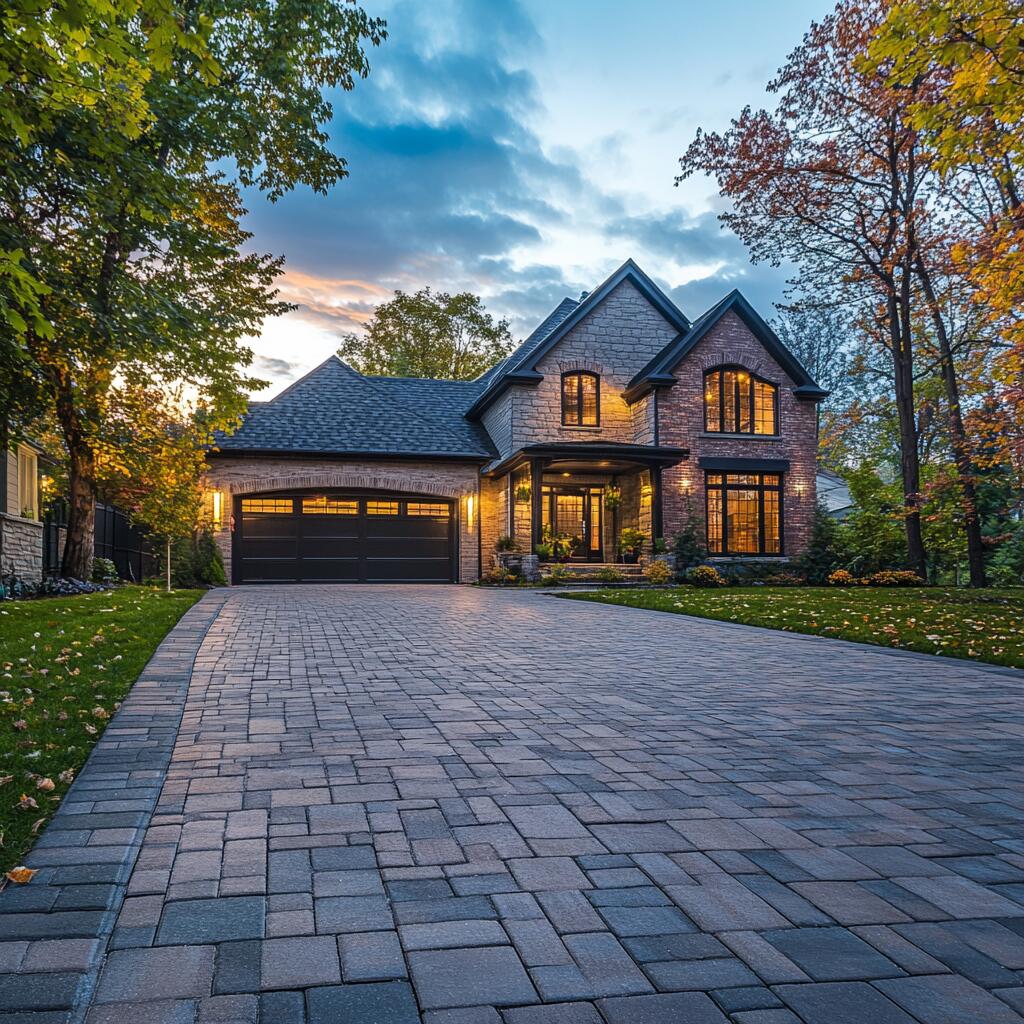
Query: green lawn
(65, 664)
(956, 623)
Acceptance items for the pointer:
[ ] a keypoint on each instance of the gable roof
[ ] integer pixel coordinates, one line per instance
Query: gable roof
(658, 372)
(520, 367)
(335, 410)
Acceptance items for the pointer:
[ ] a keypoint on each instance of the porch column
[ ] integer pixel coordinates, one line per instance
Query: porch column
(536, 486)
(656, 516)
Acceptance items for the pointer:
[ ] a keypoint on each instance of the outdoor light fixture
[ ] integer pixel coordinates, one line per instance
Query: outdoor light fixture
(684, 485)
(469, 511)
(567, 474)
(218, 509)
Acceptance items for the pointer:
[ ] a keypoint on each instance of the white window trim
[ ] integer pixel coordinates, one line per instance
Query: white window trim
(28, 467)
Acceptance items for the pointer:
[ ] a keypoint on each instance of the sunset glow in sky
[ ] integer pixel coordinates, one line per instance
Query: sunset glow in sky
(523, 149)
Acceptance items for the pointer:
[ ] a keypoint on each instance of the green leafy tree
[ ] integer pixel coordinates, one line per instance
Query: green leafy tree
(135, 233)
(688, 544)
(429, 334)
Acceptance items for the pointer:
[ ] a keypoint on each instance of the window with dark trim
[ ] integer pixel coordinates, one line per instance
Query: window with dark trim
(581, 400)
(744, 513)
(737, 402)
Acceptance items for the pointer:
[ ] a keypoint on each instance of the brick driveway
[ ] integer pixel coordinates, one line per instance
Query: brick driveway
(384, 805)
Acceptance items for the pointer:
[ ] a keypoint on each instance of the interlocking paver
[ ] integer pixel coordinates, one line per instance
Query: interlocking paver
(340, 803)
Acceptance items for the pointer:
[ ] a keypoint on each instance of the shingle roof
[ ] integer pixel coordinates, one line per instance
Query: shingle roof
(334, 409)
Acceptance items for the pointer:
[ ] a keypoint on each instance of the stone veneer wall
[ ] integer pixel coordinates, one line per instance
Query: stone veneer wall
(620, 336)
(236, 475)
(21, 547)
(681, 422)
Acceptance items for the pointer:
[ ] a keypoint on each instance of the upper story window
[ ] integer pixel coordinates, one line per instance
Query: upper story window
(581, 400)
(737, 402)
(28, 483)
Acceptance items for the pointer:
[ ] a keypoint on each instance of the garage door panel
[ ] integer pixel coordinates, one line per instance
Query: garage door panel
(331, 570)
(408, 570)
(345, 538)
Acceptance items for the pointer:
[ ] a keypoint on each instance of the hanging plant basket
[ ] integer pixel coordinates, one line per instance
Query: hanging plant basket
(612, 497)
(523, 493)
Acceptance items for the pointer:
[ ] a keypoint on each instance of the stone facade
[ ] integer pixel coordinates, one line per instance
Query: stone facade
(21, 547)
(616, 340)
(681, 422)
(461, 481)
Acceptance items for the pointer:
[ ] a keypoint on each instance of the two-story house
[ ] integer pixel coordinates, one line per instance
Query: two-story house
(616, 412)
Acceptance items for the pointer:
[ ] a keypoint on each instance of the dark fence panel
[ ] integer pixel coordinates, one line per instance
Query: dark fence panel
(54, 523)
(124, 544)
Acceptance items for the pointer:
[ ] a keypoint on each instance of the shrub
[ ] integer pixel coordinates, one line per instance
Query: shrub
(499, 576)
(195, 562)
(659, 545)
(894, 578)
(658, 572)
(822, 554)
(785, 579)
(557, 576)
(506, 544)
(706, 576)
(103, 571)
(608, 575)
(841, 578)
(688, 545)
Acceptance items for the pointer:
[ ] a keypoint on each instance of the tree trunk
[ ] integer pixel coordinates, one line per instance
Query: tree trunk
(80, 542)
(958, 438)
(168, 565)
(910, 470)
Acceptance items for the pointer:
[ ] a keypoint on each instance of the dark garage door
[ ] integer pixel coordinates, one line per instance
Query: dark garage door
(344, 538)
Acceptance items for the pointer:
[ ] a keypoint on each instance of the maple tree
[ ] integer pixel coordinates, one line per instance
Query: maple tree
(971, 53)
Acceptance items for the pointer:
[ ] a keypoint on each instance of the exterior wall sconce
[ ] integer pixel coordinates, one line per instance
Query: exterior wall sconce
(470, 509)
(685, 485)
(799, 488)
(218, 509)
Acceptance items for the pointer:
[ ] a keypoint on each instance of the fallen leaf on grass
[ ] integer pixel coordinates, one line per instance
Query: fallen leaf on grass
(26, 803)
(37, 825)
(46, 785)
(67, 776)
(4, 779)
(20, 874)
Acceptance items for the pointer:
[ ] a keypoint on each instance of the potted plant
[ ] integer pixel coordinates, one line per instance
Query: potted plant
(543, 551)
(612, 497)
(506, 544)
(631, 542)
(523, 493)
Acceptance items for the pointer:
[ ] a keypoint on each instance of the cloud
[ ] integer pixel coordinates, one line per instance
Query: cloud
(451, 186)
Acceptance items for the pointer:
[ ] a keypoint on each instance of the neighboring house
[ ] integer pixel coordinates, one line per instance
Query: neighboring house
(617, 411)
(21, 528)
(834, 494)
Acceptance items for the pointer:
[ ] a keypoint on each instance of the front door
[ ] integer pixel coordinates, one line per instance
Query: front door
(575, 512)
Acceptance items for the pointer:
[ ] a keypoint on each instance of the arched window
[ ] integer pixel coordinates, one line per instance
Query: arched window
(581, 399)
(737, 402)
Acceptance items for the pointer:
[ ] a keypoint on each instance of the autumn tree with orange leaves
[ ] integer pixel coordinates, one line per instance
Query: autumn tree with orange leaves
(838, 181)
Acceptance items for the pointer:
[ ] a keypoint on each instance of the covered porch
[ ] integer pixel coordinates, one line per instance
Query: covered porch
(579, 502)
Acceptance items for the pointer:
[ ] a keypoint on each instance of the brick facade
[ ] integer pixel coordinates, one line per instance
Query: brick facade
(681, 422)
(238, 475)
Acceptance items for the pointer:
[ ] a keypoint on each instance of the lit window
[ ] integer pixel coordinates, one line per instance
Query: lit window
(382, 508)
(744, 513)
(737, 402)
(28, 483)
(280, 506)
(324, 506)
(427, 508)
(581, 400)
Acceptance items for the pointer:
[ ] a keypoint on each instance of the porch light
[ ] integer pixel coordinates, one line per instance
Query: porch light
(685, 485)
(799, 488)
(218, 509)
(470, 506)
(567, 474)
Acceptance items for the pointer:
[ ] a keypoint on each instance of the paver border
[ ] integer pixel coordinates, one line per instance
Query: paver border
(117, 788)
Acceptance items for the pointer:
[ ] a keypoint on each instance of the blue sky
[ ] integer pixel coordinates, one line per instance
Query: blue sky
(522, 149)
